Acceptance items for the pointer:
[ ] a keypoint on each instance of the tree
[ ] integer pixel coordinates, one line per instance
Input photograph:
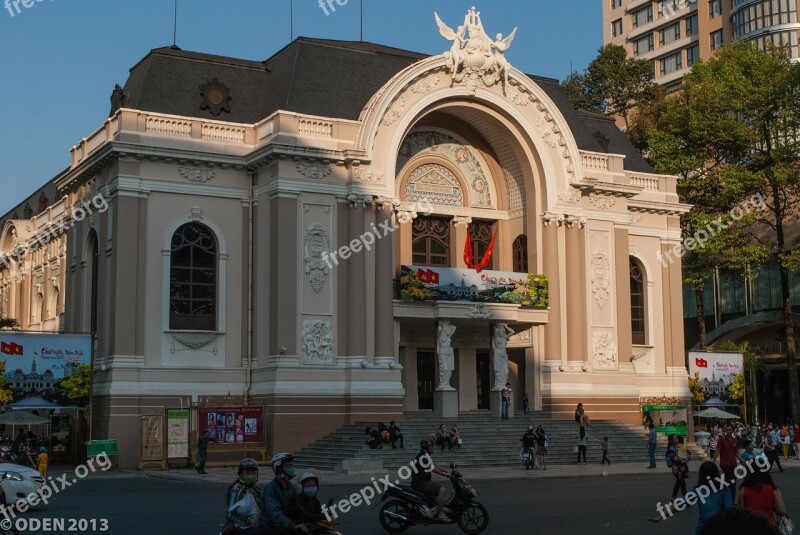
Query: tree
(734, 135)
(613, 84)
(77, 385)
(754, 367)
(8, 323)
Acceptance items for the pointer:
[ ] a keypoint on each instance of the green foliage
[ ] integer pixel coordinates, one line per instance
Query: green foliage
(534, 292)
(77, 385)
(412, 289)
(698, 395)
(613, 84)
(8, 323)
(736, 388)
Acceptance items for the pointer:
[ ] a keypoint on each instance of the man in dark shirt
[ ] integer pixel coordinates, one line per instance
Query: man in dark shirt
(652, 443)
(421, 477)
(394, 432)
(728, 454)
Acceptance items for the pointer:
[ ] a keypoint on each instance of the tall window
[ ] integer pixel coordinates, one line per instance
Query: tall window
(481, 233)
(643, 16)
(692, 55)
(616, 3)
(616, 27)
(691, 25)
(716, 39)
(430, 241)
(521, 254)
(670, 33)
(671, 63)
(95, 259)
(637, 302)
(714, 8)
(643, 45)
(193, 279)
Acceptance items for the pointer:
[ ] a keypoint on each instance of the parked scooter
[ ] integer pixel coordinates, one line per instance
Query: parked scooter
(406, 507)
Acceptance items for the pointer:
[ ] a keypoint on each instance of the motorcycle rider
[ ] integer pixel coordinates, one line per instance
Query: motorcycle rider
(236, 523)
(528, 442)
(421, 478)
(277, 496)
(305, 508)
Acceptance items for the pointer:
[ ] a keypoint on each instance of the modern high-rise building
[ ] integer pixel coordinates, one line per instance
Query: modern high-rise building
(677, 33)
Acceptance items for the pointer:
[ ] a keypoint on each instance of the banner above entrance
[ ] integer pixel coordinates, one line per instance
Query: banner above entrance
(427, 283)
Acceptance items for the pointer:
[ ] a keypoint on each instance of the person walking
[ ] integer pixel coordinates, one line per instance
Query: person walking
(679, 460)
(771, 445)
(604, 446)
(582, 443)
(728, 455)
(797, 441)
(712, 445)
(202, 452)
(541, 447)
(506, 393)
(759, 493)
(526, 408)
(652, 443)
(784, 438)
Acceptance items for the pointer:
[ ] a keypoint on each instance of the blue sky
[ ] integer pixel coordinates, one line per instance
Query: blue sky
(60, 59)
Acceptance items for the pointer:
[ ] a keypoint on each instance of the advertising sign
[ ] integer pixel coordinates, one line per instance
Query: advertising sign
(177, 433)
(36, 364)
(231, 425)
(716, 371)
(667, 419)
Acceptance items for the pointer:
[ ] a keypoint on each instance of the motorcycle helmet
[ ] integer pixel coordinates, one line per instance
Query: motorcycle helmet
(42, 449)
(278, 460)
(530, 429)
(247, 463)
(308, 475)
(425, 442)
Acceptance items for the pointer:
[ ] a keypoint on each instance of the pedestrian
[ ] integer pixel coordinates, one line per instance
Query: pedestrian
(679, 461)
(582, 442)
(771, 445)
(580, 416)
(202, 452)
(797, 441)
(42, 461)
(455, 437)
(652, 443)
(506, 393)
(728, 455)
(604, 446)
(760, 494)
(394, 431)
(784, 438)
(525, 406)
(541, 448)
(443, 437)
(712, 445)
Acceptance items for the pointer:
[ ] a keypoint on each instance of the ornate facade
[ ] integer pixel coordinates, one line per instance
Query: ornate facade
(253, 251)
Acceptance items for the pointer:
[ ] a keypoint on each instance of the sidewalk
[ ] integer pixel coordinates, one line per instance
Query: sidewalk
(227, 475)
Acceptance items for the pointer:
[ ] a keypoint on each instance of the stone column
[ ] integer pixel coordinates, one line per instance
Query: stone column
(623, 285)
(467, 380)
(385, 273)
(577, 298)
(553, 255)
(356, 284)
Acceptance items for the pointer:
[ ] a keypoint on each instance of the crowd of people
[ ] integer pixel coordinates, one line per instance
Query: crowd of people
(381, 435)
(774, 440)
(26, 449)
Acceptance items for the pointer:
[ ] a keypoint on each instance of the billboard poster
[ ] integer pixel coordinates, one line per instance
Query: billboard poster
(454, 284)
(667, 419)
(177, 433)
(36, 365)
(716, 371)
(232, 425)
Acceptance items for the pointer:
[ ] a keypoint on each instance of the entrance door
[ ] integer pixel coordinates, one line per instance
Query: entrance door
(426, 373)
(484, 379)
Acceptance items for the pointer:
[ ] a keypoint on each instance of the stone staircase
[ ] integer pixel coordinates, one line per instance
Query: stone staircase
(488, 442)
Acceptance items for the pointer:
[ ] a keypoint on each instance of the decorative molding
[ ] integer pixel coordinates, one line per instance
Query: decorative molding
(196, 174)
(194, 345)
(317, 342)
(546, 132)
(394, 112)
(520, 97)
(602, 202)
(479, 311)
(362, 201)
(548, 218)
(196, 214)
(570, 197)
(316, 243)
(425, 85)
(313, 170)
(572, 220)
(634, 219)
(601, 278)
(461, 221)
(604, 350)
(367, 175)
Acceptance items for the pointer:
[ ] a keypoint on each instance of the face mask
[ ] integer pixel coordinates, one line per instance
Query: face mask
(288, 472)
(310, 491)
(249, 479)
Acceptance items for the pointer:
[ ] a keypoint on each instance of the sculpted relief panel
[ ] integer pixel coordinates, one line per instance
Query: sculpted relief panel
(317, 342)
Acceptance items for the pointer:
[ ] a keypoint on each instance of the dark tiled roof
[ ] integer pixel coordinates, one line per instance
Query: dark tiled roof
(50, 192)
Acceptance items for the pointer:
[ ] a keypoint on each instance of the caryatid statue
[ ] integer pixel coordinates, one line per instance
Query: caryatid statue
(500, 337)
(445, 353)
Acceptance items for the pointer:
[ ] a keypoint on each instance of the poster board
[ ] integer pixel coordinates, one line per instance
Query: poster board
(716, 371)
(232, 425)
(667, 419)
(152, 439)
(60, 429)
(177, 433)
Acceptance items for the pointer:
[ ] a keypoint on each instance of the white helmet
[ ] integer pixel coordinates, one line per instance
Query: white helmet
(307, 476)
(278, 460)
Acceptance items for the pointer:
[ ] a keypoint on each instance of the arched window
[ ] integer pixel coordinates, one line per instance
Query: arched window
(637, 302)
(37, 310)
(521, 254)
(430, 241)
(481, 233)
(193, 279)
(93, 259)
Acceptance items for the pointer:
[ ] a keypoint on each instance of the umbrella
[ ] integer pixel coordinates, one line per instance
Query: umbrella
(716, 413)
(21, 418)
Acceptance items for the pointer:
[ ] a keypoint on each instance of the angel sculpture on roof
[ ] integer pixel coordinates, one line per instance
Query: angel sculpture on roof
(501, 45)
(457, 54)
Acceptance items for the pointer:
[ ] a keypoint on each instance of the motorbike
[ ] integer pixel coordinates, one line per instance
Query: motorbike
(404, 507)
(527, 458)
(323, 527)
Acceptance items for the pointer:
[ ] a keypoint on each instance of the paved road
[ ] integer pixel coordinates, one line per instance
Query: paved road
(617, 504)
